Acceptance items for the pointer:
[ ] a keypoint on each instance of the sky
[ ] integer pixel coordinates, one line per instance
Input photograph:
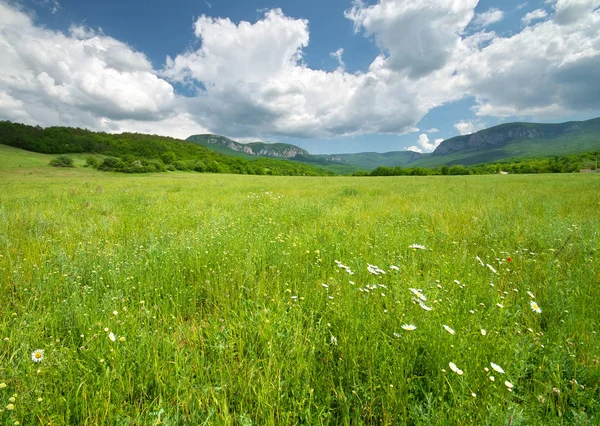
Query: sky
(333, 76)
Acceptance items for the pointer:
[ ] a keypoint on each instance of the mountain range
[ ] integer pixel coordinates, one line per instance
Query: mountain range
(499, 143)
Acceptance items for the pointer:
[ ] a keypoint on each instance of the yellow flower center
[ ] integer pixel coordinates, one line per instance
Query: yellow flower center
(38, 355)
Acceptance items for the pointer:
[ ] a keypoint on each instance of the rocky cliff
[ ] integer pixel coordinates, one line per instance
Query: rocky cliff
(504, 133)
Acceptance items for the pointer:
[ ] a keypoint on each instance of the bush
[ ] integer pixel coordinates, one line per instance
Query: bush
(111, 164)
(92, 162)
(62, 161)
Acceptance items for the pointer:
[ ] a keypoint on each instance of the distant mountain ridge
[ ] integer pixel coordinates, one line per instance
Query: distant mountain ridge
(498, 143)
(275, 150)
(508, 132)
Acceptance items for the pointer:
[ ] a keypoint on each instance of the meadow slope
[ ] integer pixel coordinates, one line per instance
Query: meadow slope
(181, 298)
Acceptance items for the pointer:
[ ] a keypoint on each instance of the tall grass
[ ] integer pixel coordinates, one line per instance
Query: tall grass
(227, 306)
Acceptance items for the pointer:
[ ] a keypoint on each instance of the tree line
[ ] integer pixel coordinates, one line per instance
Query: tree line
(557, 164)
(137, 153)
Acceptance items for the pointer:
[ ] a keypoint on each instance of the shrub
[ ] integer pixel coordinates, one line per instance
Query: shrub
(92, 162)
(62, 161)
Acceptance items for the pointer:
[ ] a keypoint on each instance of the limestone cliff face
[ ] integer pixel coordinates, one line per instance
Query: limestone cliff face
(220, 140)
(504, 133)
(279, 151)
(275, 150)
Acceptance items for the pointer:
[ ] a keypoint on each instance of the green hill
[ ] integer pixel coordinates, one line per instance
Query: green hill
(516, 140)
(252, 150)
(371, 160)
(130, 148)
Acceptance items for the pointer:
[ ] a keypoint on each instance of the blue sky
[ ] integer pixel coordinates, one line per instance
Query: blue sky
(330, 76)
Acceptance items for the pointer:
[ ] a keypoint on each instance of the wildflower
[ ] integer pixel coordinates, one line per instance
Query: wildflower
(122, 339)
(396, 334)
(375, 270)
(449, 329)
(491, 268)
(115, 313)
(508, 385)
(40, 399)
(2, 385)
(12, 399)
(409, 327)
(492, 378)
(111, 336)
(37, 355)
(535, 307)
(530, 294)
(334, 340)
(454, 368)
(479, 260)
(10, 407)
(508, 259)
(418, 294)
(474, 395)
(497, 368)
(424, 306)
(325, 285)
(417, 247)
(483, 332)
(394, 267)
(500, 305)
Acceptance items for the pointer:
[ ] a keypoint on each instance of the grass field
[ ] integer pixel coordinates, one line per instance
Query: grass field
(198, 299)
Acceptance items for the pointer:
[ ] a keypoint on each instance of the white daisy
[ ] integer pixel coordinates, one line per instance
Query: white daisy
(449, 329)
(483, 332)
(409, 327)
(535, 307)
(424, 306)
(454, 368)
(111, 336)
(417, 247)
(497, 368)
(530, 294)
(508, 385)
(418, 293)
(37, 355)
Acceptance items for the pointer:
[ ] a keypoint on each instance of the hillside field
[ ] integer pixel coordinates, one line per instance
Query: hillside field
(200, 299)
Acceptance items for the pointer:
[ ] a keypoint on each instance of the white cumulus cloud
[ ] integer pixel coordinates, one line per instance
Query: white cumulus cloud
(79, 79)
(534, 16)
(468, 127)
(424, 145)
(488, 18)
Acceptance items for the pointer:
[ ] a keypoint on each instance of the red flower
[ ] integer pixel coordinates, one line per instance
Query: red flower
(508, 259)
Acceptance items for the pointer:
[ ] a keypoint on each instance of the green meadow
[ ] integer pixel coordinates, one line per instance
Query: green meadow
(203, 299)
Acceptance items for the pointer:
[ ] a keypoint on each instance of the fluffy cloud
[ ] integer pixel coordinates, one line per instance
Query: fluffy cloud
(420, 36)
(468, 127)
(80, 79)
(424, 145)
(573, 11)
(534, 16)
(254, 84)
(544, 71)
(488, 18)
